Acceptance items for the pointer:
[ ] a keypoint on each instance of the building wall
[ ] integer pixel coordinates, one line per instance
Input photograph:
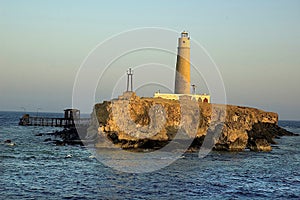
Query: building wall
(176, 96)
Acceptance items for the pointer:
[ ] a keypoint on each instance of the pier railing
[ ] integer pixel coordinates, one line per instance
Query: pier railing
(56, 122)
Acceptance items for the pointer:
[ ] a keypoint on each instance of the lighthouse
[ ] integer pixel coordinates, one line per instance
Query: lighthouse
(183, 66)
(183, 75)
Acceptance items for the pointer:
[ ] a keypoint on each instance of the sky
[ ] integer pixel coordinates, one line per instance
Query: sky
(255, 45)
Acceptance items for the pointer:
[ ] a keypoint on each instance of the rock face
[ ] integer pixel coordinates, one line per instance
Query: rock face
(134, 122)
(262, 134)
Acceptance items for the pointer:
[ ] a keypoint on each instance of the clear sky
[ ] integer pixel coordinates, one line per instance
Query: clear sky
(255, 44)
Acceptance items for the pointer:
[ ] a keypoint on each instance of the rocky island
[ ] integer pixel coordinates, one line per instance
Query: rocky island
(187, 120)
(131, 122)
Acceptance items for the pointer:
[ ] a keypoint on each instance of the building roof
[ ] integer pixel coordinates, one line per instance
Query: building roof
(71, 109)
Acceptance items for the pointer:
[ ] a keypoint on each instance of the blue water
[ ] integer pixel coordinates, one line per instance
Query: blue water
(33, 169)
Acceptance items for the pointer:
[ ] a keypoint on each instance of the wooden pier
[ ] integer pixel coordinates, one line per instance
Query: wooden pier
(71, 119)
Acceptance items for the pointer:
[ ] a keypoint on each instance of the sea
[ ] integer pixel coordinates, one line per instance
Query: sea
(35, 169)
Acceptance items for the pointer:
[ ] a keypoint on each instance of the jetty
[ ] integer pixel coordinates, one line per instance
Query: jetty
(70, 119)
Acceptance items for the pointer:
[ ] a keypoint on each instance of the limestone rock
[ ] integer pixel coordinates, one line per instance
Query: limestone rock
(134, 122)
(260, 145)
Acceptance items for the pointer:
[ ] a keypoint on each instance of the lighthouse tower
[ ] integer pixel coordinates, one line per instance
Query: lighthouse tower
(183, 76)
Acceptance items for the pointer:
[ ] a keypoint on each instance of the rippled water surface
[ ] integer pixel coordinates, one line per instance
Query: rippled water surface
(33, 169)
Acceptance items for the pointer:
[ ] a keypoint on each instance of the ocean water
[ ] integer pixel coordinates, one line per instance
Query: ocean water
(34, 169)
